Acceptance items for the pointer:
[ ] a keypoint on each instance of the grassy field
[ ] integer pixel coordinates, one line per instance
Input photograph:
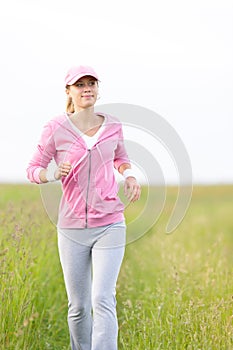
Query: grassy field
(174, 291)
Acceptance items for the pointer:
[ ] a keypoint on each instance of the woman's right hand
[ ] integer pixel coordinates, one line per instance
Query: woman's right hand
(62, 170)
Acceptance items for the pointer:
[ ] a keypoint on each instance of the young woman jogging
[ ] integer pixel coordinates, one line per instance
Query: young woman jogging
(86, 147)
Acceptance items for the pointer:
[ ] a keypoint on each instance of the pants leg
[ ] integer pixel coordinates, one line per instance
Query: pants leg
(106, 261)
(103, 253)
(76, 264)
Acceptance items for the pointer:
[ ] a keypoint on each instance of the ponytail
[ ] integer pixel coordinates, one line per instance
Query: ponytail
(69, 105)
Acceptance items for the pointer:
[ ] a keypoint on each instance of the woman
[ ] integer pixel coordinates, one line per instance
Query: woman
(86, 146)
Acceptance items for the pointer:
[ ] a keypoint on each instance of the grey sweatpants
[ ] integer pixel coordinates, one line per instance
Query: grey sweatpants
(91, 260)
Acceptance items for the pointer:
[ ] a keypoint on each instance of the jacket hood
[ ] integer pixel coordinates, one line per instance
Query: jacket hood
(63, 121)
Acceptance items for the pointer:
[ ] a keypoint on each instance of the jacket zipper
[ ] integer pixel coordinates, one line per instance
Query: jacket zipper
(88, 183)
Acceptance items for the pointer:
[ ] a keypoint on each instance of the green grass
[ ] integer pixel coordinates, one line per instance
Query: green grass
(174, 291)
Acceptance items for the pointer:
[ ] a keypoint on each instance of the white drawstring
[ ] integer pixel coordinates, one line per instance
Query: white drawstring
(76, 164)
(105, 168)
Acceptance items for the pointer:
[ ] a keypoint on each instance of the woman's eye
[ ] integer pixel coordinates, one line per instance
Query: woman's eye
(81, 85)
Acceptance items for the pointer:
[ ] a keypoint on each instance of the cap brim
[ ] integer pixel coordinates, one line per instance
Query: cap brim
(79, 76)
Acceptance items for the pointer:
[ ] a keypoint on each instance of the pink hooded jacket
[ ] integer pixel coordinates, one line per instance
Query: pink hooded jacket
(90, 190)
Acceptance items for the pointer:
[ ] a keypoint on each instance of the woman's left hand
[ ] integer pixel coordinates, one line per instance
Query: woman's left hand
(132, 189)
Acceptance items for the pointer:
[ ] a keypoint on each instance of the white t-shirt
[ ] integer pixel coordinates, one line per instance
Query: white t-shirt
(91, 140)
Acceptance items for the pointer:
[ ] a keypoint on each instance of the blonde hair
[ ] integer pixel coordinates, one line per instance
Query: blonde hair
(69, 105)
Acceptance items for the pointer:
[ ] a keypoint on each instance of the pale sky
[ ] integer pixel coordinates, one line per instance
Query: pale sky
(172, 57)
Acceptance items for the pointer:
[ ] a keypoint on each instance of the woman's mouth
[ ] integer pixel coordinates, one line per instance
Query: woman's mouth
(87, 96)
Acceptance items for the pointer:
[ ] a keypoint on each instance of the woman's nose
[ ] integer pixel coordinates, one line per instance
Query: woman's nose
(87, 88)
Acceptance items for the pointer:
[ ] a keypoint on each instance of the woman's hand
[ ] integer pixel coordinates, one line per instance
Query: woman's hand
(132, 189)
(62, 170)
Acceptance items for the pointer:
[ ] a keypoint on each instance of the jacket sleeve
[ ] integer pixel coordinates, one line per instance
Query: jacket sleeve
(44, 153)
(121, 155)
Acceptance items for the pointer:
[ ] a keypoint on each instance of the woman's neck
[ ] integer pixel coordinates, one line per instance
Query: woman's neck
(85, 116)
(86, 120)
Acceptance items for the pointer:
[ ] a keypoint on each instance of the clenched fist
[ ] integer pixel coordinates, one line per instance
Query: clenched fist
(63, 170)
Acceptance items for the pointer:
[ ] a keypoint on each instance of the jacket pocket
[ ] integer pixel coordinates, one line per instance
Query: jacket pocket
(105, 202)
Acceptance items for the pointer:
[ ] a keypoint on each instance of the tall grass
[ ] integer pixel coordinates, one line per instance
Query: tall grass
(33, 300)
(177, 290)
(174, 291)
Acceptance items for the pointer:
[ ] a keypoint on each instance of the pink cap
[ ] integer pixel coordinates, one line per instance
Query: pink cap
(75, 73)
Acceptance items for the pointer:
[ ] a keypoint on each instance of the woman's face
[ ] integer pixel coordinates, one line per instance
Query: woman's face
(84, 92)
